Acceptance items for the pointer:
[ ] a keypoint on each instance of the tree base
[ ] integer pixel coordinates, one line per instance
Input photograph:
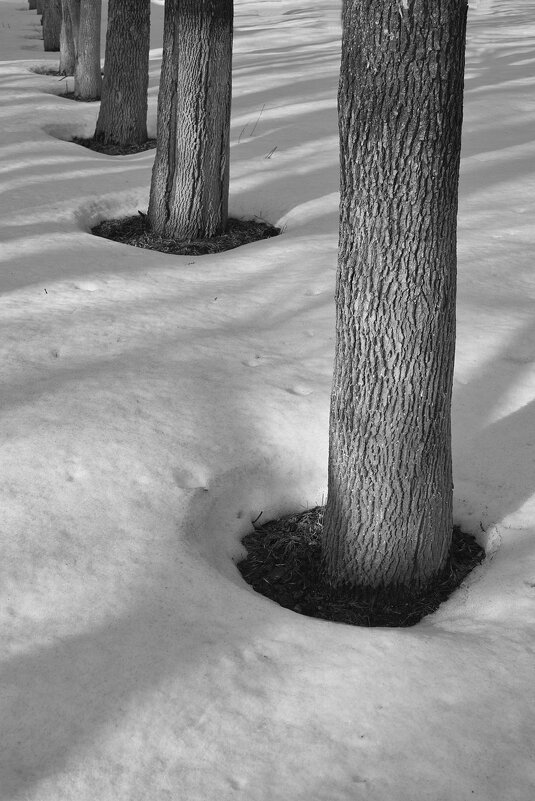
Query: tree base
(284, 563)
(45, 69)
(72, 96)
(113, 148)
(136, 231)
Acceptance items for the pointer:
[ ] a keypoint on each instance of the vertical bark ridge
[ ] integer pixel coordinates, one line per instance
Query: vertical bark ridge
(52, 25)
(388, 519)
(122, 118)
(190, 175)
(70, 21)
(87, 74)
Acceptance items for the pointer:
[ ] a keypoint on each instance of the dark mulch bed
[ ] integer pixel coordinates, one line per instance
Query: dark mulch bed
(284, 563)
(70, 96)
(45, 70)
(136, 231)
(112, 149)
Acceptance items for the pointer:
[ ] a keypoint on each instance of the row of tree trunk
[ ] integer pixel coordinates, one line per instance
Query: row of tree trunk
(72, 27)
(190, 178)
(388, 521)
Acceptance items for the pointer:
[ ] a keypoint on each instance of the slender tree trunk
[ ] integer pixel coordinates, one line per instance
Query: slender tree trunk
(70, 23)
(123, 110)
(388, 520)
(52, 25)
(87, 74)
(67, 58)
(189, 190)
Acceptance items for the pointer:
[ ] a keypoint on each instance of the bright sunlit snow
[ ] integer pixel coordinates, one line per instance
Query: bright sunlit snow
(153, 405)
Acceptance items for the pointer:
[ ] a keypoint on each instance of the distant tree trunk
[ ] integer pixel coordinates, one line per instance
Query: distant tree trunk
(70, 23)
(52, 25)
(87, 74)
(189, 190)
(67, 58)
(123, 110)
(388, 521)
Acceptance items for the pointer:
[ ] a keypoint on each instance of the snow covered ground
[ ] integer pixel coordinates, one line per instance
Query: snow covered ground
(152, 406)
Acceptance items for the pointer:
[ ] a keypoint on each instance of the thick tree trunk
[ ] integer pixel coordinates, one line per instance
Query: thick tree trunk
(388, 521)
(52, 25)
(189, 190)
(123, 110)
(70, 23)
(87, 74)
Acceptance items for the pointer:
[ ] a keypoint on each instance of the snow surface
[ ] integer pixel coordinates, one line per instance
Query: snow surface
(153, 405)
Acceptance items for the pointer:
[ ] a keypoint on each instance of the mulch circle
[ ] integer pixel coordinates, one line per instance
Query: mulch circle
(72, 96)
(284, 563)
(45, 70)
(136, 231)
(112, 149)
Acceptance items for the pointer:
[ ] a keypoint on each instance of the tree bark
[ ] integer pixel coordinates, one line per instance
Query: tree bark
(123, 111)
(52, 25)
(388, 521)
(189, 189)
(87, 73)
(70, 23)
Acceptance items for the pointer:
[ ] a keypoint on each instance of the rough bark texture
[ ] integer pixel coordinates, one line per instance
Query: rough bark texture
(189, 190)
(70, 23)
(87, 74)
(123, 110)
(52, 25)
(388, 521)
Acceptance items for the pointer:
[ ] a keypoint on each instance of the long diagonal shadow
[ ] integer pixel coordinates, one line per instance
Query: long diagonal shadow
(502, 452)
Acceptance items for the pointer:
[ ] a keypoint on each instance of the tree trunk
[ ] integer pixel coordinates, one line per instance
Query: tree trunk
(39, 6)
(52, 25)
(32, 5)
(87, 73)
(388, 521)
(70, 23)
(189, 190)
(123, 111)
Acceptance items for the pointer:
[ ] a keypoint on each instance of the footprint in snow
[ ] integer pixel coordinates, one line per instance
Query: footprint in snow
(187, 480)
(301, 389)
(87, 286)
(256, 361)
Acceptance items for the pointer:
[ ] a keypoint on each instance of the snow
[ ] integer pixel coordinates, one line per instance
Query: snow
(152, 406)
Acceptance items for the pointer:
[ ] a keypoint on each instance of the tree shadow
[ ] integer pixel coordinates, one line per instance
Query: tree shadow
(64, 698)
(59, 696)
(498, 455)
(497, 130)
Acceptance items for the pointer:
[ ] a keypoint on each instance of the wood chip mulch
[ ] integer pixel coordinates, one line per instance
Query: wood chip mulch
(136, 231)
(284, 563)
(45, 69)
(112, 148)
